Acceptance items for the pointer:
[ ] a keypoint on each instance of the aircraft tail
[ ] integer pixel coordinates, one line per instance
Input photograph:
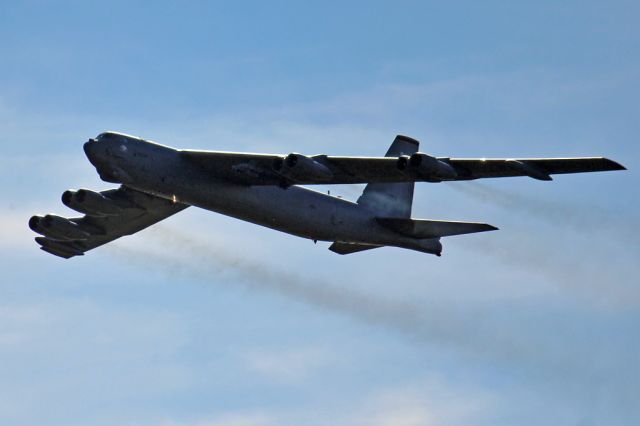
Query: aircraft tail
(392, 199)
(425, 234)
(391, 204)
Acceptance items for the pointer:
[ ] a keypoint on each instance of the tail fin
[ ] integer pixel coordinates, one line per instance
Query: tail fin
(392, 199)
(432, 228)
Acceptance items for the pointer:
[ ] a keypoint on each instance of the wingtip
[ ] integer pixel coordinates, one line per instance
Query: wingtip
(619, 166)
(614, 165)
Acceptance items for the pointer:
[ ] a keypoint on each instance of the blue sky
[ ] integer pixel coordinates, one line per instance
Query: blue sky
(207, 321)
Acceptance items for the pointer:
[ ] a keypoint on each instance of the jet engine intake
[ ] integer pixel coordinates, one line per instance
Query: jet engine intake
(402, 163)
(529, 170)
(430, 168)
(300, 168)
(90, 203)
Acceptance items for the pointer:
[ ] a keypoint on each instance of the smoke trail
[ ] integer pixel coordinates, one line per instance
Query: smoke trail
(450, 328)
(560, 264)
(202, 260)
(582, 218)
(478, 334)
(472, 333)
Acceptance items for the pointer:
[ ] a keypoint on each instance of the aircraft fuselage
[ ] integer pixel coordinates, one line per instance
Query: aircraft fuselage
(160, 170)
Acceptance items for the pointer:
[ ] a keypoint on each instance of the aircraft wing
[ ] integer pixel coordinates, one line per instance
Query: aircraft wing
(298, 169)
(109, 215)
(275, 169)
(537, 168)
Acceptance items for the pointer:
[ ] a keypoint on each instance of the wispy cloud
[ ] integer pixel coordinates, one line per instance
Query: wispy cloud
(291, 365)
(432, 402)
(610, 238)
(230, 419)
(592, 218)
(418, 402)
(14, 231)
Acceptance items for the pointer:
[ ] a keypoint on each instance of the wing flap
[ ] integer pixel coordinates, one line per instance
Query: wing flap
(419, 228)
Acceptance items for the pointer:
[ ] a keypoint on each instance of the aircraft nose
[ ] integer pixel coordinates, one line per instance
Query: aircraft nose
(90, 149)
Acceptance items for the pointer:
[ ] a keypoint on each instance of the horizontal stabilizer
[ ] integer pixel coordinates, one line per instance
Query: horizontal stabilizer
(417, 228)
(348, 248)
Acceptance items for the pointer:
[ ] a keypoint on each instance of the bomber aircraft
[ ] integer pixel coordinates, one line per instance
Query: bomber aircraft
(157, 181)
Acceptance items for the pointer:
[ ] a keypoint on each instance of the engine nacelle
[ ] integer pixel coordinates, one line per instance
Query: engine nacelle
(57, 228)
(90, 203)
(426, 167)
(528, 169)
(300, 168)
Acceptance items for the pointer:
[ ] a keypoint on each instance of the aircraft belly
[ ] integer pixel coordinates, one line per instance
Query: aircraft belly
(291, 210)
(294, 210)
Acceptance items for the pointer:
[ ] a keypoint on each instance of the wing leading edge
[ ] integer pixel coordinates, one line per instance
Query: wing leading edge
(109, 215)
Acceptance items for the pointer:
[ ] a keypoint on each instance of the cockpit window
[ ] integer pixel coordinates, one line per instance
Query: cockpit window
(104, 137)
(124, 141)
(112, 137)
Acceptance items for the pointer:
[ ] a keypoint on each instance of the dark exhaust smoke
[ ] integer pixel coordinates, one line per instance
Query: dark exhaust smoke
(559, 256)
(209, 262)
(563, 215)
(473, 332)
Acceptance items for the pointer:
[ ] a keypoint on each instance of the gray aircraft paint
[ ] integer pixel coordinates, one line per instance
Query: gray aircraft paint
(159, 181)
(303, 212)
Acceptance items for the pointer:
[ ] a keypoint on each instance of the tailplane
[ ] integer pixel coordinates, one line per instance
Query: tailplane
(432, 228)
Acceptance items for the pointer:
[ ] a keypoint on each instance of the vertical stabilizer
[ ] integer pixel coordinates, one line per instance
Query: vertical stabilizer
(392, 199)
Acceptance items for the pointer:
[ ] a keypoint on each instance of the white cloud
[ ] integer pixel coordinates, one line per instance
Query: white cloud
(14, 230)
(229, 419)
(425, 402)
(291, 365)
(432, 402)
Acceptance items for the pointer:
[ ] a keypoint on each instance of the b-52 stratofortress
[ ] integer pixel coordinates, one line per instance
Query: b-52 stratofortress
(157, 181)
